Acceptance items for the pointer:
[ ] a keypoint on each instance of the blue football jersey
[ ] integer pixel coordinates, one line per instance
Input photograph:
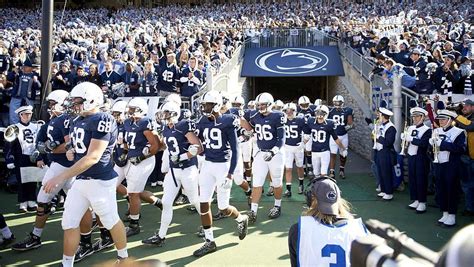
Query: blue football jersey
(58, 127)
(340, 117)
(118, 150)
(217, 136)
(134, 137)
(294, 131)
(306, 113)
(269, 129)
(236, 111)
(100, 126)
(178, 143)
(320, 134)
(249, 113)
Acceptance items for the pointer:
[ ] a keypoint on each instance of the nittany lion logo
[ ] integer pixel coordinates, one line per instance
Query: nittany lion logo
(331, 195)
(292, 61)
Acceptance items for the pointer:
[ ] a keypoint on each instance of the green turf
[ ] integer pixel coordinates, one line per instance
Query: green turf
(266, 244)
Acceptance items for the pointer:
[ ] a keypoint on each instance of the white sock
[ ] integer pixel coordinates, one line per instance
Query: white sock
(248, 179)
(68, 261)
(288, 183)
(254, 207)
(37, 231)
(248, 190)
(122, 253)
(300, 178)
(240, 218)
(209, 234)
(277, 202)
(6, 233)
(135, 217)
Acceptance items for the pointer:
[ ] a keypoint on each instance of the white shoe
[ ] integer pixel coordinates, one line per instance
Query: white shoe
(444, 218)
(421, 207)
(381, 194)
(414, 205)
(23, 206)
(387, 197)
(378, 189)
(154, 184)
(32, 204)
(159, 183)
(450, 221)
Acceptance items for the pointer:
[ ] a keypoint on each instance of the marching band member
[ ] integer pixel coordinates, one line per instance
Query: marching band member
(448, 145)
(384, 155)
(417, 137)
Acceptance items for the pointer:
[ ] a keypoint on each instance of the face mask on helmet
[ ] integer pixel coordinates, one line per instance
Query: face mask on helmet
(290, 113)
(264, 107)
(337, 104)
(68, 106)
(135, 112)
(304, 106)
(208, 108)
(237, 105)
(118, 116)
(320, 114)
(166, 116)
(54, 108)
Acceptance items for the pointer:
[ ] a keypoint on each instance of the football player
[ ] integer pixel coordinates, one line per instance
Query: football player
(306, 110)
(278, 105)
(219, 135)
(249, 147)
(321, 129)
(294, 147)
(343, 121)
(55, 147)
(183, 146)
(93, 135)
(269, 128)
(142, 145)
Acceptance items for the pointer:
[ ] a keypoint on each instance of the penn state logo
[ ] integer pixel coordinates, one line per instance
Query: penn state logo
(331, 195)
(292, 61)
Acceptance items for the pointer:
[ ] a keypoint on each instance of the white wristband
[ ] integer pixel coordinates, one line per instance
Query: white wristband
(183, 157)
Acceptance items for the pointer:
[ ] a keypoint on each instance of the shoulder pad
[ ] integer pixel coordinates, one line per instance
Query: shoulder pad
(102, 122)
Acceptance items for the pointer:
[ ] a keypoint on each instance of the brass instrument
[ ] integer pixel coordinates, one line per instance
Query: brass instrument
(404, 142)
(11, 133)
(376, 129)
(435, 137)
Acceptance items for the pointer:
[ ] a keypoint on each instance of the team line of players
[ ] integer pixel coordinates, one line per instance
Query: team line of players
(92, 152)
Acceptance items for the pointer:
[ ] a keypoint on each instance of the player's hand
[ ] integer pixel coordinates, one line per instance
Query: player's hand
(146, 151)
(174, 159)
(70, 154)
(267, 156)
(193, 149)
(11, 166)
(52, 184)
(50, 146)
(40, 164)
(227, 184)
(123, 157)
(306, 138)
(34, 156)
(344, 152)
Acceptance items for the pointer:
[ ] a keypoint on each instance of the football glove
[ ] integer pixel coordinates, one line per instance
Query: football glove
(41, 147)
(174, 159)
(34, 156)
(123, 157)
(344, 153)
(227, 184)
(136, 160)
(146, 151)
(50, 146)
(269, 154)
(193, 149)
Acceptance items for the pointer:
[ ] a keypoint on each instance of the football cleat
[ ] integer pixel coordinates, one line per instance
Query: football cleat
(243, 227)
(450, 221)
(102, 243)
(252, 217)
(83, 251)
(208, 247)
(387, 197)
(381, 194)
(275, 212)
(219, 216)
(444, 218)
(154, 184)
(23, 207)
(342, 175)
(310, 173)
(300, 189)
(154, 240)
(133, 229)
(421, 208)
(6, 242)
(29, 243)
(158, 204)
(332, 174)
(414, 205)
(270, 191)
(287, 193)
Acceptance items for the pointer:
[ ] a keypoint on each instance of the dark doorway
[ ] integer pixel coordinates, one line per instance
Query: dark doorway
(291, 88)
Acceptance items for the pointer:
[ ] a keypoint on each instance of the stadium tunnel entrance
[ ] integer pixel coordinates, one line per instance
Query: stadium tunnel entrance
(290, 72)
(289, 89)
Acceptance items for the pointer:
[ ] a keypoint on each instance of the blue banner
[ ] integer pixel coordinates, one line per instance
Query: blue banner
(292, 61)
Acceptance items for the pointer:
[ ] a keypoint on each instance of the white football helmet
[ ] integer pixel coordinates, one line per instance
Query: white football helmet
(251, 104)
(338, 101)
(174, 98)
(168, 112)
(55, 101)
(278, 105)
(238, 102)
(322, 111)
(211, 102)
(304, 102)
(318, 102)
(264, 102)
(91, 94)
(119, 109)
(290, 110)
(137, 107)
